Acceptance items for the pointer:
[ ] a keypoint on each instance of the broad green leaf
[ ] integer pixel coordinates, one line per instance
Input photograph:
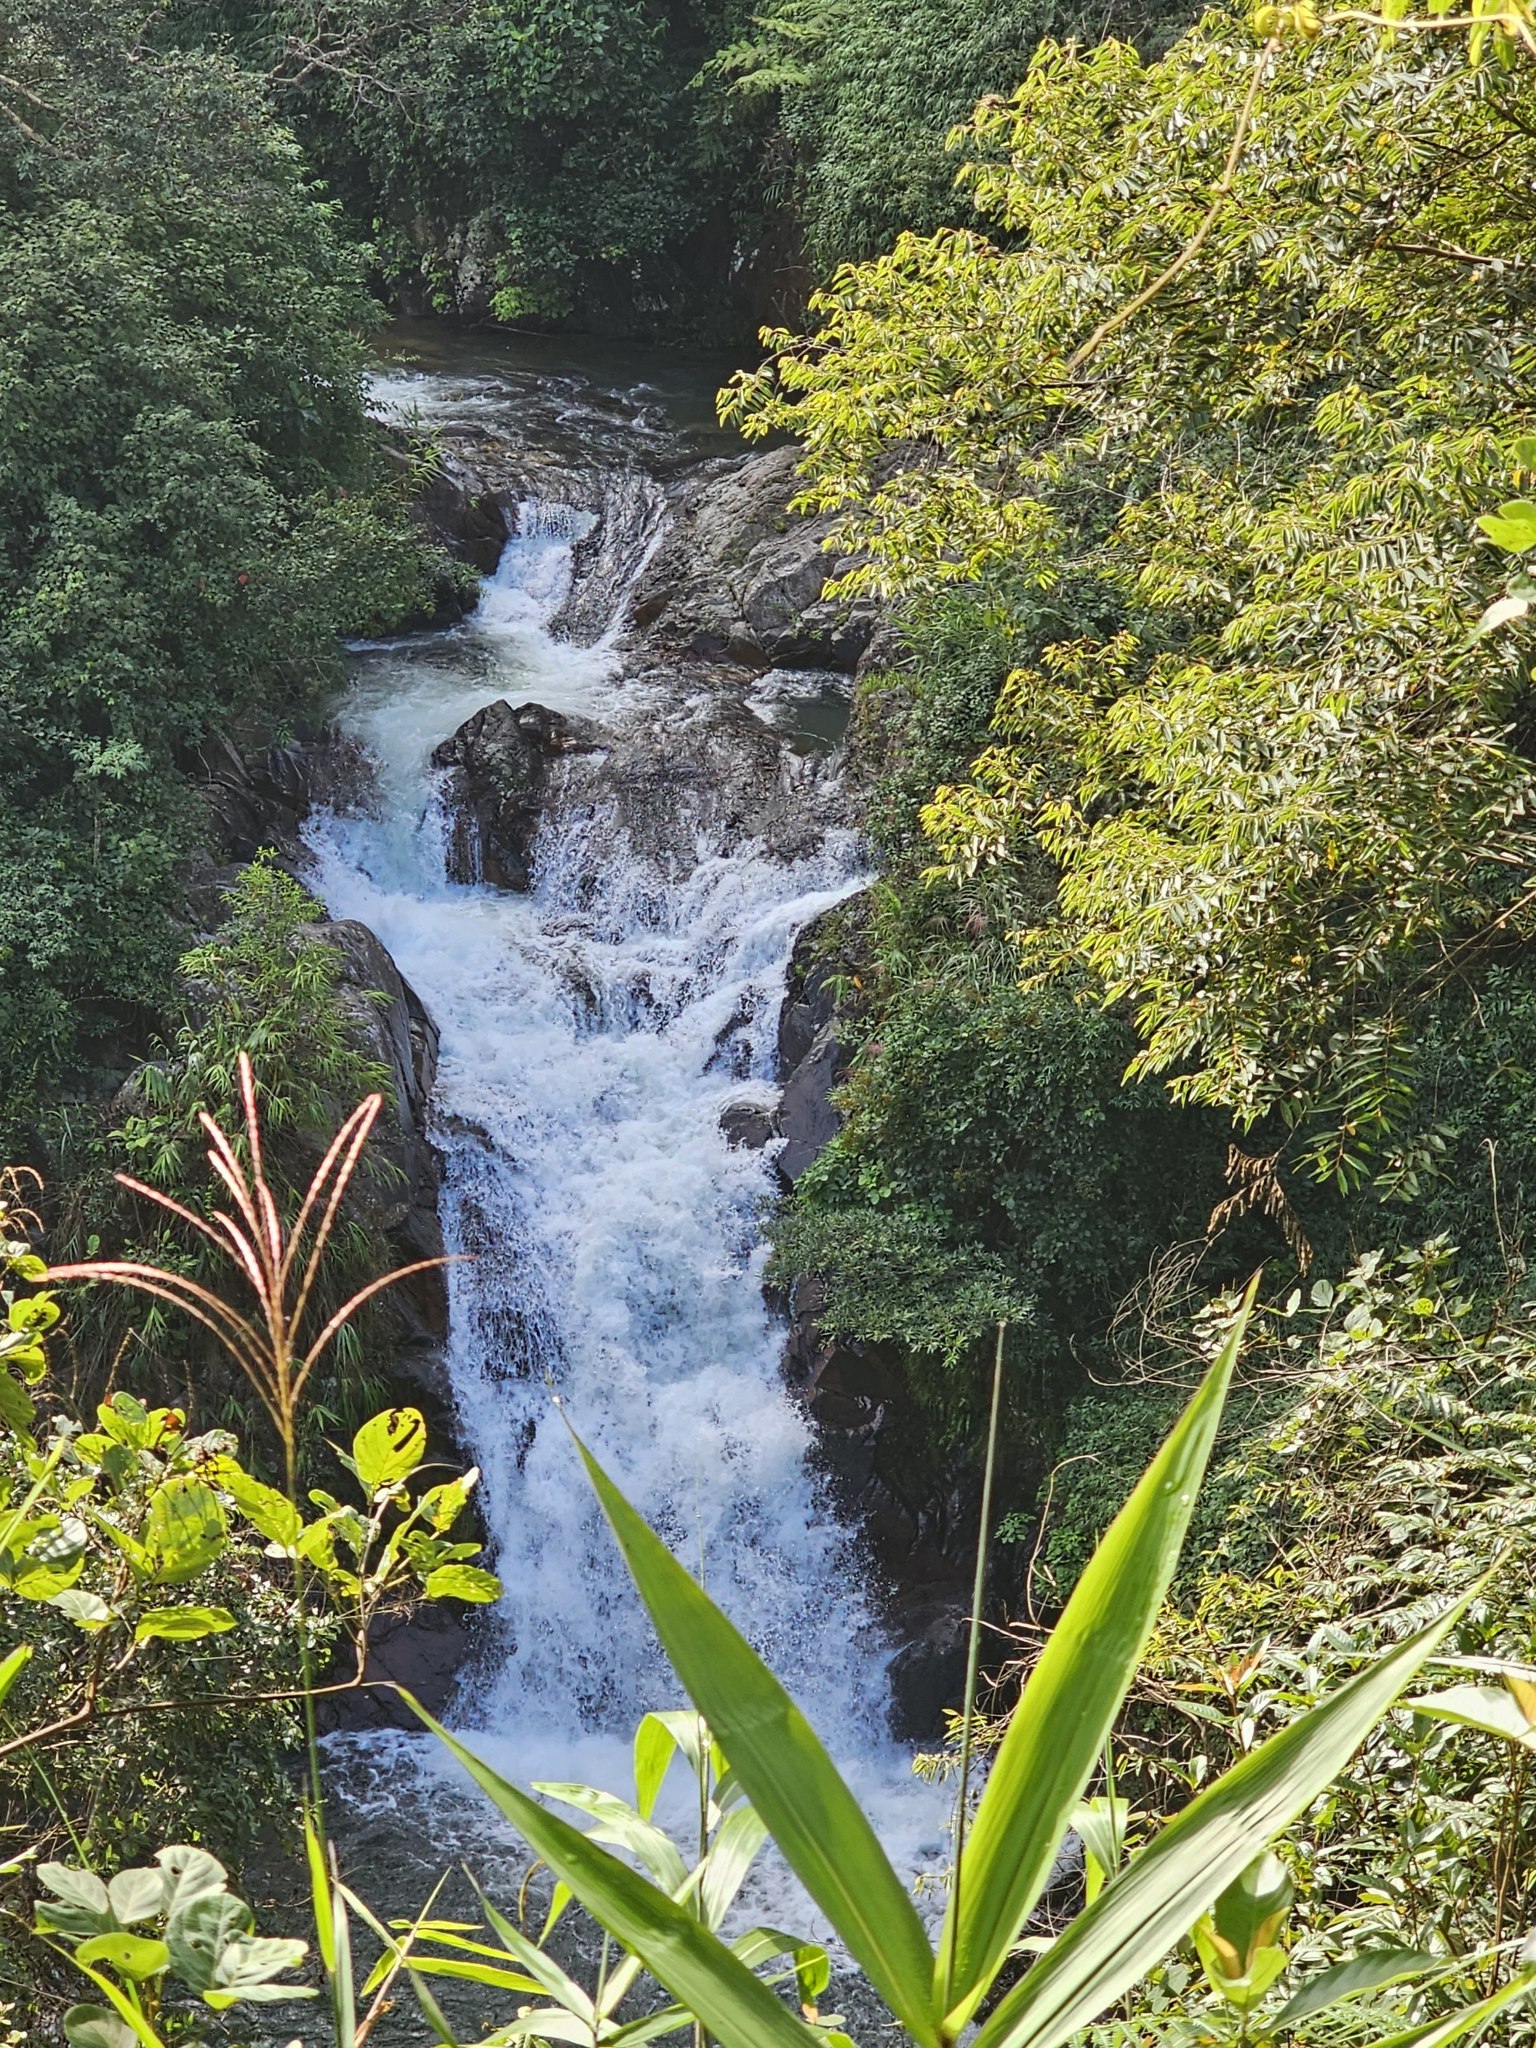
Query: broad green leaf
(244, 1972)
(1243, 1988)
(343, 1998)
(461, 1582)
(184, 1530)
(1071, 1701)
(494, 1974)
(11, 1669)
(686, 1958)
(97, 2026)
(270, 1513)
(1512, 527)
(1491, 1709)
(1154, 1901)
(199, 1933)
(137, 1894)
(813, 1817)
(551, 1978)
(86, 1610)
(619, 1824)
(79, 1904)
(320, 1894)
(731, 1855)
(190, 1874)
(444, 1939)
(137, 2027)
(18, 1411)
(182, 1624)
(1100, 1825)
(131, 1955)
(658, 1739)
(388, 1448)
(442, 1505)
(1249, 1913)
(1368, 1971)
(52, 1561)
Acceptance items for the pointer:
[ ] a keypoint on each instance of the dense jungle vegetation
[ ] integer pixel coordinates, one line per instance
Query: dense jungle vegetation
(1174, 383)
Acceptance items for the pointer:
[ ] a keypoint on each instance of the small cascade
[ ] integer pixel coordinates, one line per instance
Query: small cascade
(615, 1235)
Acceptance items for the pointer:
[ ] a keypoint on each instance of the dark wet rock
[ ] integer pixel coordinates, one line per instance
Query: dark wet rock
(740, 578)
(422, 1650)
(916, 1511)
(811, 1061)
(464, 518)
(712, 772)
(401, 1192)
(927, 1673)
(806, 1115)
(498, 784)
(749, 1125)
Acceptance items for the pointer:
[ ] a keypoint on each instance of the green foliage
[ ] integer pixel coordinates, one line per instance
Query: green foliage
(1279, 779)
(527, 158)
(993, 1164)
(194, 503)
(992, 1167)
(266, 984)
(145, 1541)
(708, 1875)
(1385, 1467)
(868, 90)
(202, 1938)
(1201, 1863)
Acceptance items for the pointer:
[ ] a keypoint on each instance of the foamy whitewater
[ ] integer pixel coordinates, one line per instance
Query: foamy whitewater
(616, 1237)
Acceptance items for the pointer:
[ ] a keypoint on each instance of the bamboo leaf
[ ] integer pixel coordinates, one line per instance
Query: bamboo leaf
(1071, 1702)
(1368, 1971)
(1492, 1710)
(1153, 1903)
(814, 1819)
(696, 1967)
(1440, 2033)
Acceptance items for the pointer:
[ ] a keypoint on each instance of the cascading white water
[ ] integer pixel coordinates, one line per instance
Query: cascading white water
(616, 1236)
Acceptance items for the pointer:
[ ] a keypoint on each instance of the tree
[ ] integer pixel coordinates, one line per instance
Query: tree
(1283, 783)
(192, 501)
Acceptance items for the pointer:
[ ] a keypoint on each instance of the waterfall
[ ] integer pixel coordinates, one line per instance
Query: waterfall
(592, 1032)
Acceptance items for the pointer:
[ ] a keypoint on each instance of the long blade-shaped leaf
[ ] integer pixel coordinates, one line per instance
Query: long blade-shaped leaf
(1441, 2033)
(812, 1816)
(1139, 1916)
(693, 1964)
(1070, 1703)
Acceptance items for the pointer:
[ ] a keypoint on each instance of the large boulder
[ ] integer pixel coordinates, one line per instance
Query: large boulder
(738, 577)
(712, 772)
(399, 1035)
(498, 771)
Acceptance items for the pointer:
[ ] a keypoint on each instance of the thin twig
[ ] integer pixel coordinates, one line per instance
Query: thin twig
(1197, 241)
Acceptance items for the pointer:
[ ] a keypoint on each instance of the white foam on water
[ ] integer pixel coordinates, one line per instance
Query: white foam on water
(616, 1236)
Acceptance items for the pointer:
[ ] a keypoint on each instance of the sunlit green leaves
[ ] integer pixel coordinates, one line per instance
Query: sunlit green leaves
(181, 1624)
(390, 1447)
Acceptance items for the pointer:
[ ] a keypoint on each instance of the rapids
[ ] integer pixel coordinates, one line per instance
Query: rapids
(616, 1236)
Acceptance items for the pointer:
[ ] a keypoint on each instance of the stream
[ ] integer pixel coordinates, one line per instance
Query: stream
(592, 1032)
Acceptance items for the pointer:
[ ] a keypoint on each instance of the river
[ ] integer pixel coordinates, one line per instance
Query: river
(616, 1235)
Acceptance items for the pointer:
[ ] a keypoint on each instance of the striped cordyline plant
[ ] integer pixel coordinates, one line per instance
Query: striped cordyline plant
(278, 1264)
